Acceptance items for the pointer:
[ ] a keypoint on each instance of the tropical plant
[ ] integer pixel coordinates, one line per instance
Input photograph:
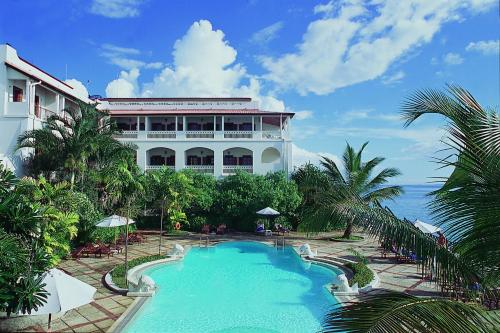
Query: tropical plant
(467, 207)
(68, 142)
(354, 184)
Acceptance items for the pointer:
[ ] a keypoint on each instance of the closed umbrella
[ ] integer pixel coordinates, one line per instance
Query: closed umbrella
(64, 293)
(426, 228)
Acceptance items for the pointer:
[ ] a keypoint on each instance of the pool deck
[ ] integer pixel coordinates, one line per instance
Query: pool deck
(107, 307)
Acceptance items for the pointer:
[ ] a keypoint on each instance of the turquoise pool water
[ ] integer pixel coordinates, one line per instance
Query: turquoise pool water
(237, 287)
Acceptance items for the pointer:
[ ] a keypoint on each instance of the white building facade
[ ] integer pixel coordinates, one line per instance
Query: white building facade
(209, 135)
(28, 95)
(215, 136)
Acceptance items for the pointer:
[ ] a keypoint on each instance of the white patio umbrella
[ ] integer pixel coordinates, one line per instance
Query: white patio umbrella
(114, 221)
(426, 228)
(64, 293)
(268, 211)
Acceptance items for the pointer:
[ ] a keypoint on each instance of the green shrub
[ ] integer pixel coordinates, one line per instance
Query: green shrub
(197, 222)
(362, 274)
(118, 274)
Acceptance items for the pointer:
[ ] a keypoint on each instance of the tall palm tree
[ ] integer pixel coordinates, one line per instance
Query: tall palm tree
(357, 183)
(467, 207)
(68, 140)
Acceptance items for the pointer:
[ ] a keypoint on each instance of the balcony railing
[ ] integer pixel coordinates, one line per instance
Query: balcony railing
(200, 134)
(271, 135)
(231, 169)
(161, 134)
(238, 134)
(201, 168)
(126, 135)
(158, 167)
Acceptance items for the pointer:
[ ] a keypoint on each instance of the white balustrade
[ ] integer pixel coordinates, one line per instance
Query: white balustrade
(161, 134)
(201, 168)
(200, 134)
(231, 169)
(273, 135)
(158, 167)
(238, 134)
(126, 135)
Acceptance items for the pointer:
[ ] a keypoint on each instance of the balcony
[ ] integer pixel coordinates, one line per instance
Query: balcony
(161, 134)
(208, 169)
(126, 135)
(231, 169)
(158, 167)
(238, 134)
(199, 134)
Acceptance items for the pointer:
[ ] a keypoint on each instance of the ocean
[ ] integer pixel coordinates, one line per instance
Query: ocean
(413, 203)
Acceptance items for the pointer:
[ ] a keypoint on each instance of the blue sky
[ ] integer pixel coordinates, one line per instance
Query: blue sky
(345, 67)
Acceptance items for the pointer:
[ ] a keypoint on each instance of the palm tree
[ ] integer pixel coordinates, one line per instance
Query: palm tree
(68, 141)
(467, 207)
(356, 183)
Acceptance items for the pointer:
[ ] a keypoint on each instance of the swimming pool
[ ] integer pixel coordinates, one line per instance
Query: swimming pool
(237, 287)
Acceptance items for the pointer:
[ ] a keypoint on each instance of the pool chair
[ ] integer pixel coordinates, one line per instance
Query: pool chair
(205, 229)
(221, 229)
(261, 230)
(278, 228)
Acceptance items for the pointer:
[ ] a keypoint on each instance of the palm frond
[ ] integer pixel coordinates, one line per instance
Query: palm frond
(393, 312)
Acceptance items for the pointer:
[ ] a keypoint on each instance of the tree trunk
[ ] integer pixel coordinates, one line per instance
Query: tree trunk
(72, 178)
(161, 229)
(348, 229)
(126, 246)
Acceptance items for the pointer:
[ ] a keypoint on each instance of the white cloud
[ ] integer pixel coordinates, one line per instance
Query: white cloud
(394, 78)
(120, 56)
(486, 47)
(204, 64)
(125, 85)
(267, 34)
(351, 44)
(78, 87)
(300, 132)
(116, 8)
(324, 8)
(302, 156)
(361, 114)
(453, 59)
(301, 115)
(423, 140)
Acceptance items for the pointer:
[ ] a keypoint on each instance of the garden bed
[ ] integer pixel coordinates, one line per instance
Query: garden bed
(347, 240)
(118, 273)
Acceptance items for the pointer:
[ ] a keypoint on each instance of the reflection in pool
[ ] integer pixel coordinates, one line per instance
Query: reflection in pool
(236, 287)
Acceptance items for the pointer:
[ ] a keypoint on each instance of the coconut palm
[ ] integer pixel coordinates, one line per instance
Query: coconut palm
(68, 141)
(356, 183)
(467, 207)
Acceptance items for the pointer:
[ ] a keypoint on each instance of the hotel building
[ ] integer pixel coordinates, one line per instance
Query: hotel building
(209, 135)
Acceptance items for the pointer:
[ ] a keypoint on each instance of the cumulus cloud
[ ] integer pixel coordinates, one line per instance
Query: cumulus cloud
(453, 59)
(125, 86)
(302, 156)
(204, 64)
(350, 44)
(486, 47)
(267, 34)
(116, 8)
(78, 87)
(349, 116)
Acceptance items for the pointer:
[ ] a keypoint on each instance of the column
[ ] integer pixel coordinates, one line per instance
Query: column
(141, 158)
(218, 159)
(179, 159)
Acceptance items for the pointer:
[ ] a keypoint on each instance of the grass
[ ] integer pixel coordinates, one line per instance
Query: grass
(362, 274)
(352, 238)
(118, 274)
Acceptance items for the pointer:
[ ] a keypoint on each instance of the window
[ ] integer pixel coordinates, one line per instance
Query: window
(17, 94)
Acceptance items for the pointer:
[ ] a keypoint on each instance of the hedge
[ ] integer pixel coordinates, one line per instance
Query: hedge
(362, 274)
(118, 274)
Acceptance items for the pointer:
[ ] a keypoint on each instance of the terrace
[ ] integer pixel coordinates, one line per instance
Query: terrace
(108, 306)
(202, 127)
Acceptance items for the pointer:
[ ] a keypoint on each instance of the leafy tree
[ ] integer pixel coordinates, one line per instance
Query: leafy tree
(466, 207)
(239, 196)
(354, 183)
